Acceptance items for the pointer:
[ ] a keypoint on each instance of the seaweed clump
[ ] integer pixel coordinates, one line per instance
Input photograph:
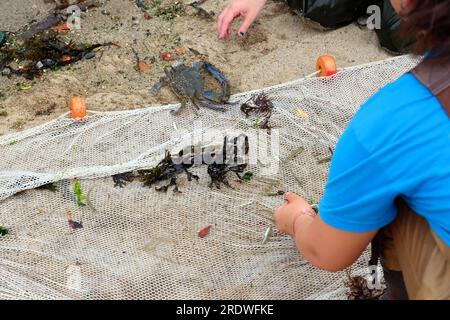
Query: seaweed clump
(53, 186)
(168, 169)
(168, 9)
(260, 106)
(45, 50)
(228, 160)
(359, 289)
(3, 231)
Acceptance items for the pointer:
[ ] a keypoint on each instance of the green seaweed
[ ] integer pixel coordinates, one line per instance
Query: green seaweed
(247, 176)
(3, 231)
(79, 196)
(168, 10)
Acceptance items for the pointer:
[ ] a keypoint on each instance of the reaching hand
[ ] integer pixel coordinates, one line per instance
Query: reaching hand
(249, 9)
(286, 215)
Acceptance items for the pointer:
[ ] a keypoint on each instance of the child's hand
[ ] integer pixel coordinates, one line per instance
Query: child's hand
(249, 9)
(286, 215)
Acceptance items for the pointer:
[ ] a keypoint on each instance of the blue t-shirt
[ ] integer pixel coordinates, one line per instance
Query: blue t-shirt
(397, 145)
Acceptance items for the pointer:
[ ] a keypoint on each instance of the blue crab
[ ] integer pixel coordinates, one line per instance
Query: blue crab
(188, 83)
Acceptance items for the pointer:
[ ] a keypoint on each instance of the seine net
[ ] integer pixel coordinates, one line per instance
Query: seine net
(139, 243)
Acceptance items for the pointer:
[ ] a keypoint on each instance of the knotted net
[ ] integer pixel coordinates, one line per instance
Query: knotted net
(138, 243)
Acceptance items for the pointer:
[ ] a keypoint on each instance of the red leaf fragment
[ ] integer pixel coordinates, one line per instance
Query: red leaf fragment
(204, 232)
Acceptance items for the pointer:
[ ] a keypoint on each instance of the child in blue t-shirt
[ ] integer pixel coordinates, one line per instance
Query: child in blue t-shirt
(391, 170)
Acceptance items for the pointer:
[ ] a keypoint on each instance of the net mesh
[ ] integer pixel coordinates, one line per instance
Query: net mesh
(138, 243)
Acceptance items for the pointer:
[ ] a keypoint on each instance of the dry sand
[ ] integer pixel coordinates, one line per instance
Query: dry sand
(280, 47)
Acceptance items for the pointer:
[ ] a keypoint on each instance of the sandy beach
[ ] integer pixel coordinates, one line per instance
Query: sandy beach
(281, 46)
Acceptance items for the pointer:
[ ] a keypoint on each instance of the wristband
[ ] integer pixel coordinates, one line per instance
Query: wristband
(309, 212)
(304, 212)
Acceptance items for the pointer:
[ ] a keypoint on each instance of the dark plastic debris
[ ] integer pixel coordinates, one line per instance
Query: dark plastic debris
(2, 38)
(331, 14)
(389, 34)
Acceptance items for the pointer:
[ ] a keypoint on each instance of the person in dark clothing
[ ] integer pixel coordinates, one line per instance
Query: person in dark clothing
(329, 14)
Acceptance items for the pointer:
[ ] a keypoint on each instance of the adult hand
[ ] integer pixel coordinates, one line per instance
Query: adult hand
(249, 9)
(286, 215)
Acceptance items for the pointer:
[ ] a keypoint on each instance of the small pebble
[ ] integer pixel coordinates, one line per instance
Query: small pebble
(89, 55)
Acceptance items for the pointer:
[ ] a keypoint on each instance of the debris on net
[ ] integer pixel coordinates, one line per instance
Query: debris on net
(267, 234)
(72, 223)
(261, 106)
(204, 232)
(219, 170)
(168, 169)
(3, 231)
(80, 197)
(49, 186)
(122, 179)
(359, 289)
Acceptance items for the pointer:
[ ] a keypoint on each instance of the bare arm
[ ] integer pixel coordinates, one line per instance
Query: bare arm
(324, 246)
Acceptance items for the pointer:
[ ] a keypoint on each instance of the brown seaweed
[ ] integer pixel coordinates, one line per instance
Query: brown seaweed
(260, 106)
(168, 169)
(359, 289)
(44, 51)
(228, 161)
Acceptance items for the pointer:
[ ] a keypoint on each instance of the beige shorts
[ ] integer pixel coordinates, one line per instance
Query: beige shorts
(410, 246)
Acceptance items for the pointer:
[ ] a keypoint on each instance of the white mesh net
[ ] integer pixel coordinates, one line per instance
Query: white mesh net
(138, 243)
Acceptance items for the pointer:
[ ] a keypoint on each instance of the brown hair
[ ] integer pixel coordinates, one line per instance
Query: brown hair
(429, 22)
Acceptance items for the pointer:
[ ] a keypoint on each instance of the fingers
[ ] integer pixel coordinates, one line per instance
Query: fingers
(248, 20)
(278, 215)
(290, 196)
(219, 20)
(225, 21)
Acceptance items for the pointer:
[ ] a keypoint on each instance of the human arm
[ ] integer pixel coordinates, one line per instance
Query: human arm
(324, 246)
